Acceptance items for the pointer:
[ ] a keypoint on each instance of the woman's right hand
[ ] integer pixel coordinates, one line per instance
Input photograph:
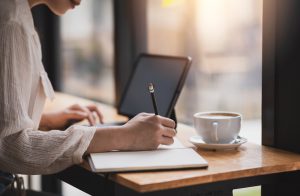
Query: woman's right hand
(147, 131)
(143, 132)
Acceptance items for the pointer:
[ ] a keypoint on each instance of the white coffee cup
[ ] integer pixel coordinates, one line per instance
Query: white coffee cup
(217, 127)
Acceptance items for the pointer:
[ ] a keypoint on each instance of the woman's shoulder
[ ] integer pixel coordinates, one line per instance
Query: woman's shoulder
(17, 14)
(14, 10)
(8, 9)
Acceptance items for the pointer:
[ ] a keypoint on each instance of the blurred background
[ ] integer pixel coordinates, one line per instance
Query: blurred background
(223, 37)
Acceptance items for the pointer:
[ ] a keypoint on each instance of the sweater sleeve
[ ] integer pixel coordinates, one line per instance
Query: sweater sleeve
(22, 148)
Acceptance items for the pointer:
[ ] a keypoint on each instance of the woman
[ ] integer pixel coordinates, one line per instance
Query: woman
(32, 143)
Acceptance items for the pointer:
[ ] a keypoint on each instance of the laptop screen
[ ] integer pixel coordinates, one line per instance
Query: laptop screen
(167, 75)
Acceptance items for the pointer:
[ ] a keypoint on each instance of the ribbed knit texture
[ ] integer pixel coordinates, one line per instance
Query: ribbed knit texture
(24, 86)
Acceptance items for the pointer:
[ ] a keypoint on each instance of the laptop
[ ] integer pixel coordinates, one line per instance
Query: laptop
(166, 73)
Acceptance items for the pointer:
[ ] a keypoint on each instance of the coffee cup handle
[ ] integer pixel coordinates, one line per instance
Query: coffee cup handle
(215, 131)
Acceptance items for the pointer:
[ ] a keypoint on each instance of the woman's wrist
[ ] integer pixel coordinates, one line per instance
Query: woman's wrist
(124, 138)
(117, 138)
(108, 139)
(44, 123)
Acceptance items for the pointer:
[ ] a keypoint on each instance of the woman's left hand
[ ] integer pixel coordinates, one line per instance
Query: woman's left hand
(75, 113)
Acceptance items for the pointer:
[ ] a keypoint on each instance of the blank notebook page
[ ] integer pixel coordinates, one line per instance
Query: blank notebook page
(168, 158)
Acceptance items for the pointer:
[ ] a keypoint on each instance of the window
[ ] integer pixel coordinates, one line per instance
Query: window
(224, 38)
(87, 46)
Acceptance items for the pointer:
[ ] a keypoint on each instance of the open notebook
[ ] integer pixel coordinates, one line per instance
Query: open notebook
(174, 156)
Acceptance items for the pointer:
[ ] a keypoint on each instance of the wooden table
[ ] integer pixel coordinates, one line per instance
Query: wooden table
(276, 170)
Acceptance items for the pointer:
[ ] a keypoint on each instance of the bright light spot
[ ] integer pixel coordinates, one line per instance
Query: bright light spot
(168, 3)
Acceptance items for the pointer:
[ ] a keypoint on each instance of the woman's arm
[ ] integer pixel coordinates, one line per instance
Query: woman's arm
(24, 149)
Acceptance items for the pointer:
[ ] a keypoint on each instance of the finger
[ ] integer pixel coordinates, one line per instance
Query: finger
(77, 115)
(89, 117)
(167, 140)
(94, 108)
(167, 122)
(75, 106)
(169, 132)
(95, 116)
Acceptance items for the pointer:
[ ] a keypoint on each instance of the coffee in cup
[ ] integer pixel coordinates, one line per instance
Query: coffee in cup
(217, 127)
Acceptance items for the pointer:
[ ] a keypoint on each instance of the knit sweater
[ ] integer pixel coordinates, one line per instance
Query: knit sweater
(24, 87)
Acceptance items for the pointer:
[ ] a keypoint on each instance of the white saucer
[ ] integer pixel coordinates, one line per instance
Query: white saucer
(198, 142)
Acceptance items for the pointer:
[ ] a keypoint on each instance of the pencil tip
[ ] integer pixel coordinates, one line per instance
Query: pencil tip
(151, 87)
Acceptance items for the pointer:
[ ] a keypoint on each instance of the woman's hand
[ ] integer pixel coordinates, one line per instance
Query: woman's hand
(75, 113)
(143, 132)
(148, 131)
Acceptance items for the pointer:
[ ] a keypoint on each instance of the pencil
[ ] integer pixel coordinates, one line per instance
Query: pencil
(151, 90)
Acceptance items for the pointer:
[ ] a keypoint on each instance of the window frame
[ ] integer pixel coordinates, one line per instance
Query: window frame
(130, 39)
